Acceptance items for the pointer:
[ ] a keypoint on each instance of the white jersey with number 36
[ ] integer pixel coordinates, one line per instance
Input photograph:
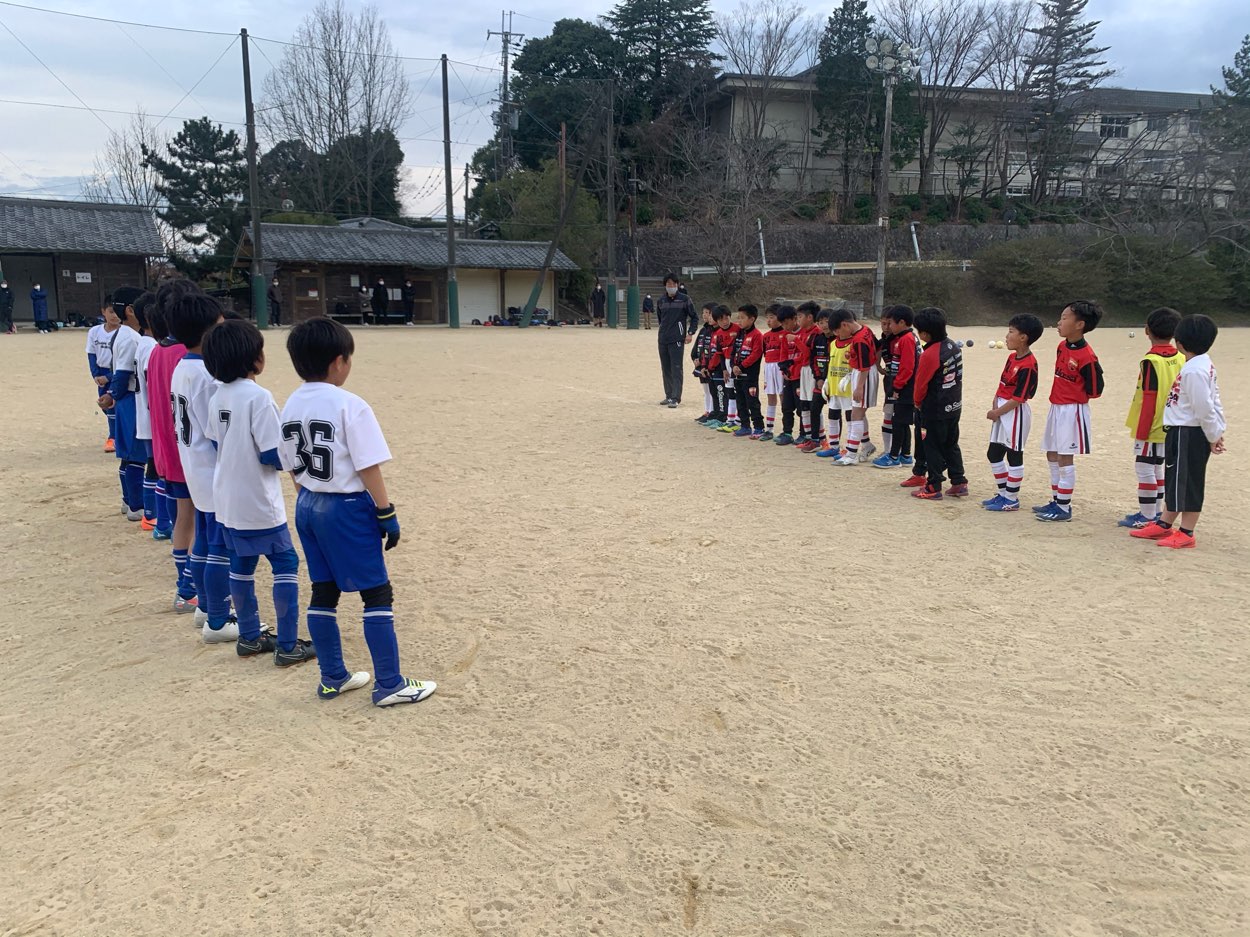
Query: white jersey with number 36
(328, 436)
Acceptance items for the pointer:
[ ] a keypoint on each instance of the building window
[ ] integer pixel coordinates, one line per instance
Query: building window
(1157, 124)
(1195, 125)
(1114, 128)
(1110, 171)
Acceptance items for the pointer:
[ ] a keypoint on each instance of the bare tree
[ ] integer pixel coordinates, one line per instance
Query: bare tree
(768, 40)
(1010, 33)
(954, 56)
(339, 78)
(119, 173)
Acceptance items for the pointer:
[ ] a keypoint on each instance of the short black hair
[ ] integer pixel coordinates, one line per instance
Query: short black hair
(141, 307)
(772, 308)
(709, 306)
(811, 307)
(315, 343)
(840, 316)
(170, 292)
(1196, 334)
(1087, 311)
(1029, 326)
(786, 313)
(192, 316)
(670, 278)
(932, 321)
(1163, 321)
(231, 349)
(158, 324)
(824, 315)
(900, 312)
(720, 311)
(748, 309)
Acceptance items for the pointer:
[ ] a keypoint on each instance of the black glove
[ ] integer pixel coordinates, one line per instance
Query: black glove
(388, 525)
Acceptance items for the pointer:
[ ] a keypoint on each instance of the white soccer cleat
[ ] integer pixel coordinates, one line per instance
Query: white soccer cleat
(867, 451)
(134, 515)
(846, 460)
(411, 691)
(227, 633)
(201, 618)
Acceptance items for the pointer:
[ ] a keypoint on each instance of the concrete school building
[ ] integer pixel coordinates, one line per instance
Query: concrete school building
(321, 269)
(77, 251)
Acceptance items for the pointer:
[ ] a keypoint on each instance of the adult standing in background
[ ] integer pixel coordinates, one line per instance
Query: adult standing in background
(39, 305)
(409, 296)
(648, 310)
(678, 323)
(275, 303)
(598, 305)
(6, 308)
(379, 302)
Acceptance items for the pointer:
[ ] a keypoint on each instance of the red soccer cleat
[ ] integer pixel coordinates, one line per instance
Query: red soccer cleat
(108, 445)
(958, 491)
(928, 493)
(1177, 540)
(147, 525)
(913, 481)
(1155, 531)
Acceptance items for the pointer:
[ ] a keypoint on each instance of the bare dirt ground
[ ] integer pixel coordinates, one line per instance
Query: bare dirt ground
(688, 684)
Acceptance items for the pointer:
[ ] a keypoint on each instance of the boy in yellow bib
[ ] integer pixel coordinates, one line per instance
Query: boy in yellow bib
(1158, 371)
(837, 390)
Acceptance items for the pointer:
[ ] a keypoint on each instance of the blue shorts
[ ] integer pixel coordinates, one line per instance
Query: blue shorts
(341, 539)
(177, 490)
(146, 446)
(210, 533)
(258, 542)
(125, 444)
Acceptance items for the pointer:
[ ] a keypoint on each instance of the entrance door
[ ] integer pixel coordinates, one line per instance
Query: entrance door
(23, 271)
(425, 308)
(310, 300)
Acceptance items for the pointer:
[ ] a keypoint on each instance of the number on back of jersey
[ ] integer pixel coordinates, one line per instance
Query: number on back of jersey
(311, 455)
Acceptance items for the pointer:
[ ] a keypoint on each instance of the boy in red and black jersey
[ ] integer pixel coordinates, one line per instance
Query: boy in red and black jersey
(818, 345)
(938, 396)
(1078, 379)
(698, 354)
(1011, 415)
(748, 355)
(793, 359)
(714, 365)
(885, 367)
(724, 339)
(862, 358)
(807, 380)
(773, 379)
(900, 379)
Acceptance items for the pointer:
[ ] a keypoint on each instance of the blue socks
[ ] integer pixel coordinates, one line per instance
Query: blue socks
(183, 583)
(383, 645)
(133, 485)
(217, 587)
(323, 628)
(164, 523)
(243, 591)
(285, 567)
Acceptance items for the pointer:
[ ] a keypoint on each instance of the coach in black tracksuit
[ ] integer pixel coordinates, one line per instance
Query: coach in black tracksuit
(678, 323)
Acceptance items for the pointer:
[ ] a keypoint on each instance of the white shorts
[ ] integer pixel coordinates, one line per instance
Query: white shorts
(729, 381)
(839, 403)
(1012, 428)
(1148, 451)
(773, 382)
(807, 383)
(867, 383)
(1067, 429)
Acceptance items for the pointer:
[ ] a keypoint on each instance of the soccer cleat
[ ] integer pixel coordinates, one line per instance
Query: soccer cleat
(1153, 531)
(827, 453)
(223, 635)
(906, 460)
(767, 436)
(810, 446)
(801, 438)
(994, 500)
(158, 534)
(1178, 540)
(302, 651)
(410, 691)
(785, 439)
(703, 419)
(866, 451)
(757, 435)
(913, 481)
(201, 618)
(134, 515)
(1039, 508)
(846, 460)
(713, 424)
(1135, 521)
(928, 493)
(665, 402)
(265, 643)
(186, 606)
(730, 427)
(147, 525)
(332, 689)
(672, 404)
(1003, 505)
(1054, 513)
(108, 445)
(885, 462)
(958, 491)
(743, 431)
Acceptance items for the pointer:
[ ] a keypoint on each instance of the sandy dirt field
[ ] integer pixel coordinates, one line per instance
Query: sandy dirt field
(688, 684)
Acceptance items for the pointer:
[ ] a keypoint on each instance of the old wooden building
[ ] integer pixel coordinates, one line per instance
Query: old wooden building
(77, 251)
(321, 269)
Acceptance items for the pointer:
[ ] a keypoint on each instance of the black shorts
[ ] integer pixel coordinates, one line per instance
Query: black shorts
(1186, 451)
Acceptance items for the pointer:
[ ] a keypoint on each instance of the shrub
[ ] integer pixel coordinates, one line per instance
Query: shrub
(913, 201)
(1038, 271)
(939, 211)
(807, 211)
(976, 211)
(922, 286)
(1146, 272)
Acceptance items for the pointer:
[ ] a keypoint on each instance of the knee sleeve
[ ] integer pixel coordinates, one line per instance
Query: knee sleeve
(285, 562)
(1015, 457)
(379, 596)
(996, 452)
(325, 595)
(149, 471)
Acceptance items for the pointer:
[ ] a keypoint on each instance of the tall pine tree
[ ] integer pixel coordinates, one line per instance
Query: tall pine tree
(667, 46)
(1065, 65)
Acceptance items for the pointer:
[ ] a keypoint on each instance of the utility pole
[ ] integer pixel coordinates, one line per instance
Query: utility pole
(611, 155)
(633, 303)
(453, 288)
(466, 200)
(260, 306)
(563, 162)
(503, 119)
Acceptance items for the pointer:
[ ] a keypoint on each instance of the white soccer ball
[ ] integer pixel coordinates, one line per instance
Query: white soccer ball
(1132, 334)
(959, 344)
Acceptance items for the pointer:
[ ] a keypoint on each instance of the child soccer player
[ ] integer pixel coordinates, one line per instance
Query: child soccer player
(725, 346)
(793, 351)
(939, 397)
(748, 351)
(900, 386)
(1011, 415)
(1157, 373)
(332, 444)
(818, 349)
(807, 376)
(100, 358)
(1078, 379)
(1194, 418)
(699, 353)
(189, 570)
(837, 389)
(120, 399)
(247, 492)
(773, 381)
(192, 389)
(861, 357)
(885, 368)
(143, 416)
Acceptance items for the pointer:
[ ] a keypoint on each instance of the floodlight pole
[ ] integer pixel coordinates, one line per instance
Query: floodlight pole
(883, 202)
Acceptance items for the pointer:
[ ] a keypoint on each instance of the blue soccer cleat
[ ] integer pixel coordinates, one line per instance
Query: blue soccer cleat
(988, 501)
(744, 431)
(1042, 508)
(1003, 505)
(1054, 513)
(906, 460)
(1136, 521)
(885, 462)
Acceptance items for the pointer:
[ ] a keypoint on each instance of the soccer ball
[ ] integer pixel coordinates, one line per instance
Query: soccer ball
(969, 343)
(1132, 334)
(959, 344)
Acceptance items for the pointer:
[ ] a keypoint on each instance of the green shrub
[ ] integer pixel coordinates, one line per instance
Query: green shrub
(807, 211)
(995, 202)
(1035, 272)
(1233, 262)
(976, 211)
(1143, 273)
(922, 286)
(939, 211)
(913, 201)
(861, 210)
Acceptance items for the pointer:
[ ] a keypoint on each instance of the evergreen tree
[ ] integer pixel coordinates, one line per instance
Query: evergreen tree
(1229, 130)
(1065, 65)
(666, 46)
(202, 182)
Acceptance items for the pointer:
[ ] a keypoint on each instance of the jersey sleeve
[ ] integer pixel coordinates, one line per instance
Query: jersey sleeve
(200, 409)
(1026, 385)
(287, 446)
(266, 431)
(366, 446)
(1092, 378)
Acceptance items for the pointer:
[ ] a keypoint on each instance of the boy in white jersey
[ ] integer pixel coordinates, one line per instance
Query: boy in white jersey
(119, 399)
(100, 357)
(247, 492)
(143, 415)
(334, 448)
(191, 392)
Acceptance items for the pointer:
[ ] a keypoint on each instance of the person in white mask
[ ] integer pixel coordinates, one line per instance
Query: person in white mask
(678, 324)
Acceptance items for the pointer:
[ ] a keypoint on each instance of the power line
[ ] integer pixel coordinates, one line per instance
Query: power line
(55, 75)
(102, 110)
(198, 83)
(101, 19)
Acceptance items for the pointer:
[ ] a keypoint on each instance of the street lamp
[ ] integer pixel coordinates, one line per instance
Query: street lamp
(891, 61)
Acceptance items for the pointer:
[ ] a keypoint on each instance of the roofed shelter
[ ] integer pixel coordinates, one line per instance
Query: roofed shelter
(77, 251)
(321, 269)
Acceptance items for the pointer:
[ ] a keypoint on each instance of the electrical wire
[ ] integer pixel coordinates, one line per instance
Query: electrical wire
(49, 70)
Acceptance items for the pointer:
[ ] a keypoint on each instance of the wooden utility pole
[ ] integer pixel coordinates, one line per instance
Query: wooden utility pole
(453, 288)
(611, 206)
(260, 305)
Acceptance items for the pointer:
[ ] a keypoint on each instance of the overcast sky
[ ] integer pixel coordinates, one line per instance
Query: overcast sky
(1178, 45)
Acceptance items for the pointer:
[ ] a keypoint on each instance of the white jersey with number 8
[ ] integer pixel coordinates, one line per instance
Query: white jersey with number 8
(328, 436)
